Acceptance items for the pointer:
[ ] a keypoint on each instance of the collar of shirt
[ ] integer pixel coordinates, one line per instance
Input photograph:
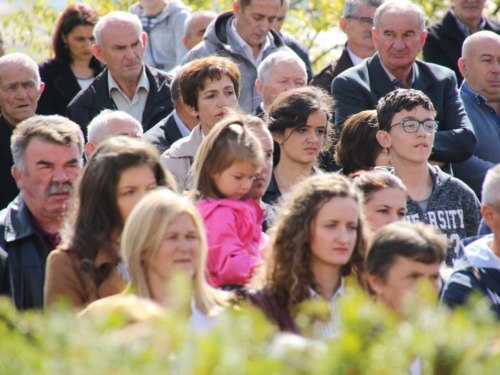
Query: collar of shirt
(355, 59)
(396, 82)
(143, 83)
(51, 240)
(466, 29)
(478, 98)
(339, 292)
(246, 47)
(182, 127)
(266, 114)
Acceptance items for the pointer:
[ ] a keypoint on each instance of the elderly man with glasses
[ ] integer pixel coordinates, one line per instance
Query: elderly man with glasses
(356, 23)
(399, 35)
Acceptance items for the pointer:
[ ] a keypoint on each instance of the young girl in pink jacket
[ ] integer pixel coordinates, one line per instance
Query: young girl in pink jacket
(224, 169)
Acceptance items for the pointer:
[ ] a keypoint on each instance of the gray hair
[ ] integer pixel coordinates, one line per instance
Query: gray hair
(490, 194)
(115, 17)
(23, 60)
(351, 7)
(97, 130)
(53, 129)
(188, 25)
(278, 58)
(401, 6)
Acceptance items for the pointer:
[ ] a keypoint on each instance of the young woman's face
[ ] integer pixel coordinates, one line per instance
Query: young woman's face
(302, 145)
(235, 181)
(80, 41)
(214, 101)
(402, 280)
(334, 233)
(134, 183)
(385, 206)
(180, 249)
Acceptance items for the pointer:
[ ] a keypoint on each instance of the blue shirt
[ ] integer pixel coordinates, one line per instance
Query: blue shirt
(486, 124)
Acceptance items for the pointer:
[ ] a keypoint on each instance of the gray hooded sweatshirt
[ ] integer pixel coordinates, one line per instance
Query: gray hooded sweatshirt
(165, 49)
(217, 42)
(453, 208)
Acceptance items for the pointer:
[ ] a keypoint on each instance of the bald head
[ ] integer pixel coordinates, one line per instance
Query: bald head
(195, 27)
(480, 64)
(109, 124)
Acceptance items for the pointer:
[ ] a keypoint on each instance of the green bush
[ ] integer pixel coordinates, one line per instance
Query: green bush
(372, 341)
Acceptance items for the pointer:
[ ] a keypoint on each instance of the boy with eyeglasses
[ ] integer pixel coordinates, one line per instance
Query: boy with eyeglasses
(407, 129)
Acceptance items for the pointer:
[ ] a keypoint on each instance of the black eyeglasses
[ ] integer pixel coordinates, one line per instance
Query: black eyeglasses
(412, 126)
(366, 20)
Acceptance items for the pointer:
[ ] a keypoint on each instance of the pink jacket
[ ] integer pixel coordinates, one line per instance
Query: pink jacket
(235, 239)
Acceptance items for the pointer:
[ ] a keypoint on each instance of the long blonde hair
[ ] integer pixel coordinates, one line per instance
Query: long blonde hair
(144, 232)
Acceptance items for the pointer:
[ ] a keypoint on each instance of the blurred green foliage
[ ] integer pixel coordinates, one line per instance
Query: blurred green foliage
(372, 341)
(314, 23)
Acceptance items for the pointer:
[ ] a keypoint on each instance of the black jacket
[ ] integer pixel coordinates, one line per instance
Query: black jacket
(27, 255)
(325, 76)
(163, 134)
(61, 86)
(91, 101)
(444, 41)
(8, 186)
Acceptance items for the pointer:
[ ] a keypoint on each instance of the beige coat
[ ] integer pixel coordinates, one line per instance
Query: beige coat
(64, 279)
(179, 158)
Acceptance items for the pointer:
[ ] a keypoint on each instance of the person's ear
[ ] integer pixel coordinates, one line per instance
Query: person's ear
(185, 42)
(89, 149)
(144, 39)
(64, 38)
(259, 86)
(97, 51)
(343, 24)
(423, 37)
(193, 112)
(490, 216)
(278, 138)
(236, 8)
(375, 284)
(384, 139)
(41, 88)
(18, 177)
(374, 38)
(462, 66)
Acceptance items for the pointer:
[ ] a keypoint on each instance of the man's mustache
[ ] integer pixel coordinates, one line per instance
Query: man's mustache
(367, 34)
(59, 188)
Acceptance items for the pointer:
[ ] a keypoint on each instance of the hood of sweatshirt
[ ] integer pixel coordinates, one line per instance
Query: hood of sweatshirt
(480, 255)
(173, 7)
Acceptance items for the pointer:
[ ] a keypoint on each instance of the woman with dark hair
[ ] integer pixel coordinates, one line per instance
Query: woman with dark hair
(358, 148)
(318, 241)
(210, 87)
(73, 66)
(299, 121)
(385, 197)
(88, 265)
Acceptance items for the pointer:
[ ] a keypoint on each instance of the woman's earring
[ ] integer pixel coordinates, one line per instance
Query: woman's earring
(66, 46)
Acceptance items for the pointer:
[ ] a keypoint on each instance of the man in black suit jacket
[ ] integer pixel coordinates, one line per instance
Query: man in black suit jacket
(127, 83)
(176, 125)
(446, 37)
(399, 36)
(356, 23)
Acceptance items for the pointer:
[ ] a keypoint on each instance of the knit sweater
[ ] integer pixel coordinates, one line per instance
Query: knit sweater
(453, 208)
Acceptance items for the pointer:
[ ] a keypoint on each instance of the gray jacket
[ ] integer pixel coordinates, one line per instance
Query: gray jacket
(165, 49)
(179, 158)
(216, 41)
(453, 208)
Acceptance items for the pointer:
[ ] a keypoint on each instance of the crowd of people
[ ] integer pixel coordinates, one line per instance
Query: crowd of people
(157, 141)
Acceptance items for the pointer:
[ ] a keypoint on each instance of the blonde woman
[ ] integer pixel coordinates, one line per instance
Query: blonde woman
(165, 233)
